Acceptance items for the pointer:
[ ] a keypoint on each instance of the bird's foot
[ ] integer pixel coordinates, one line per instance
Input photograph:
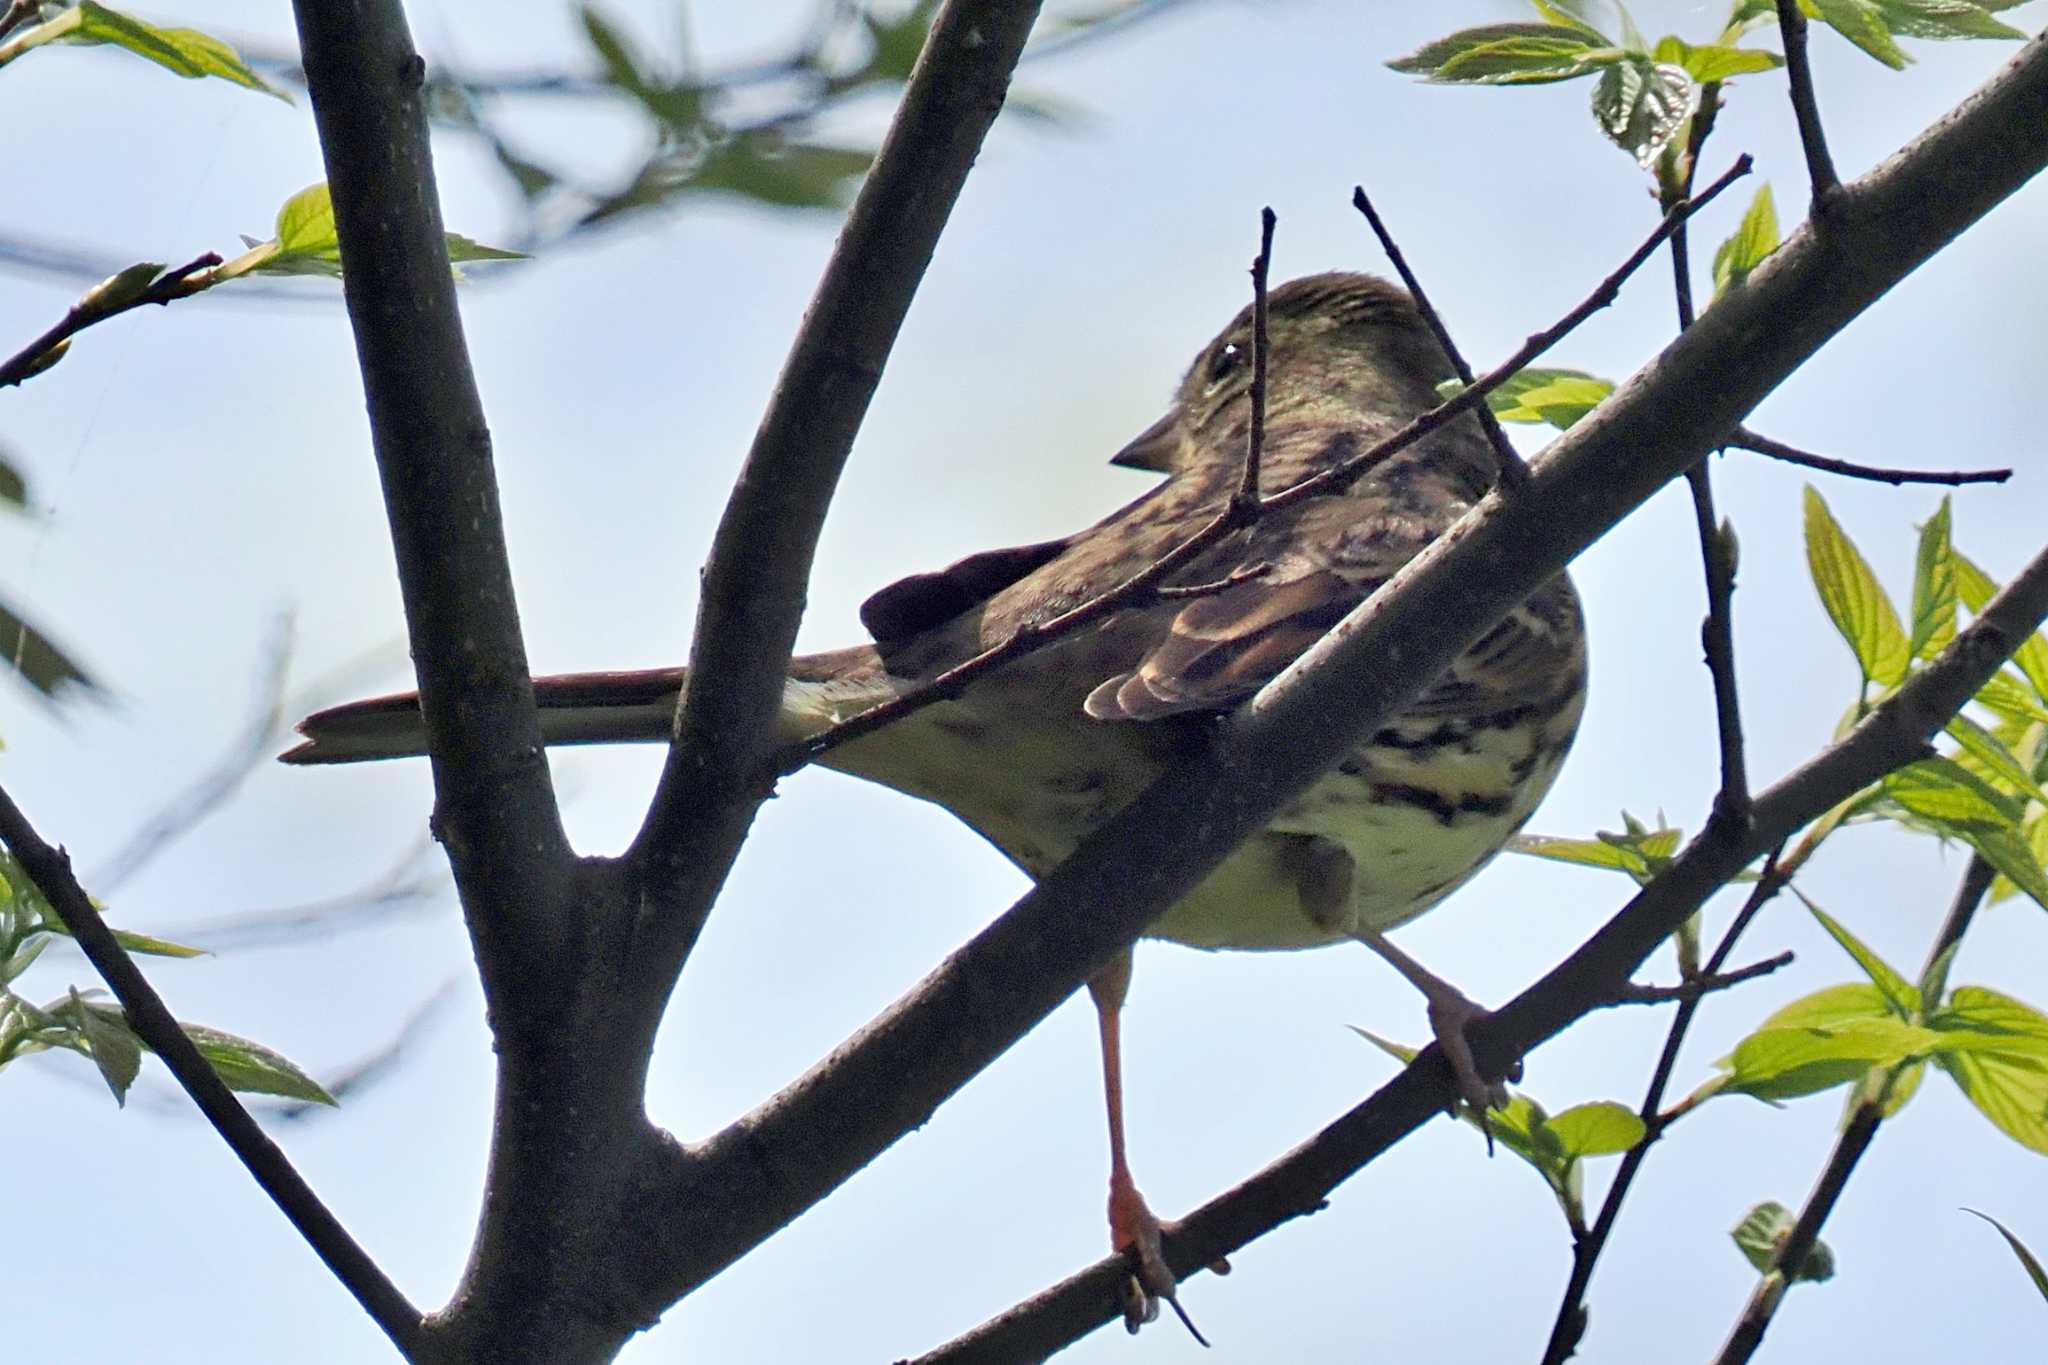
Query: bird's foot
(1136, 1232)
(1450, 1014)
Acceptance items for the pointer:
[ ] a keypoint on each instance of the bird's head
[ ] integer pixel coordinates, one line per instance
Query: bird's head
(1337, 344)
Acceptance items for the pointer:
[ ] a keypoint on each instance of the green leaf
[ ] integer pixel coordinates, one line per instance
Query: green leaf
(1847, 1005)
(1863, 24)
(1976, 588)
(39, 660)
(1764, 1229)
(1753, 239)
(1716, 61)
(119, 290)
(1641, 105)
(1934, 587)
(308, 244)
(1567, 14)
(2011, 699)
(1955, 802)
(1559, 397)
(113, 1046)
(1506, 54)
(1994, 758)
(181, 51)
(1785, 1063)
(2013, 1094)
(1597, 1128)
(1900, 995)
(2027, 1260)
(1854, 601)
(2035, 834)
(252, 1068)
(1641, 853)
(896, 43)
(1943, 19)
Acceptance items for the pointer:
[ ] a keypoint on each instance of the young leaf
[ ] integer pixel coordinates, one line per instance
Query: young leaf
(1845, 1006)
(1958, 804)
(1714, 62)
(1852, 596)
(1934, 587)
(1641, 105)
(181, 51)
(1900, 995)
(1976, 588)
(1863, 24)
(1505, 54)
(113, 1046)
(253, 1068)
(2013, 1094)
(1943, 19)
(1754, 238)
(1785, 1063)
(1598, 1128)
(2028, 1261)
(1764, 1229)
(1993, 758)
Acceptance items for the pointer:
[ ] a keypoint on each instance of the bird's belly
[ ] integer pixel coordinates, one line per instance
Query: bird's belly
(1418, 818)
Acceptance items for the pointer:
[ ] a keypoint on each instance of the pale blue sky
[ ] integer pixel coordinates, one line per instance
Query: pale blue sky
(206, 466)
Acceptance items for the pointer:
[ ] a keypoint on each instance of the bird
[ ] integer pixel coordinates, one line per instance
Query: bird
(1036, 754)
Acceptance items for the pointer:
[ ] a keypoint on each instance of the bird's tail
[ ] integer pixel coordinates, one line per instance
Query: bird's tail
(575, 708)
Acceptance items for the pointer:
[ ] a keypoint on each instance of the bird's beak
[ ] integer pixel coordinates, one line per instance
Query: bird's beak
(1154, 448)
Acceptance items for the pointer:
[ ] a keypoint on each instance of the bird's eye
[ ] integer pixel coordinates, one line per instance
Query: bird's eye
(1225, 363)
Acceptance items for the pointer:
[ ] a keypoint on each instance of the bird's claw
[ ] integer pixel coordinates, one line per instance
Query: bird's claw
(1450, 1015)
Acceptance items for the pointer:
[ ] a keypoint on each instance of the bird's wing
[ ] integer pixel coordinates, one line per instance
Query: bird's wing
(1221, 648)
(912, 605)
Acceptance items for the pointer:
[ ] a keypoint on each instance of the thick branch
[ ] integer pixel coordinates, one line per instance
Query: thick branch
(733, 1191)
(760, 565)
(494, 805)
(1894, 733)
(155, 1025)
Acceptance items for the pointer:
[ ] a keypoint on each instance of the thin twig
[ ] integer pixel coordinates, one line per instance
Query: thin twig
(1570, 1324)
(1716, 539)
(177, 283)
(1820, 167)
(1513, 472)
(1706, 983)
(1138, 588)
(1255, 430)
(155, 1025)
(1857, 1135)
(1745, 439)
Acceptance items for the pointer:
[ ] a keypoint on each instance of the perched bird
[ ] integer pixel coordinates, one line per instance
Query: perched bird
(1040, 752)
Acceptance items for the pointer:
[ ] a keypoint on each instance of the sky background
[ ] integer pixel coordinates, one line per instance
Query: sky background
(202, 469)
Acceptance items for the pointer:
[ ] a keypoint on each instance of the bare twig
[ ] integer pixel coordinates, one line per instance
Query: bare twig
(1255, 430)
(1141, 587)
(1856, 1137)
(1716, 538)
(177, 283)
(1820, 167)
(1706, 983)
(1745, 439)
(155, 1025)
(1513, 472)
(1570, 1323)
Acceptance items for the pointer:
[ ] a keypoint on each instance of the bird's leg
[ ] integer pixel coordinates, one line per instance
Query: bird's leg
(1133, 1228)
(1325, 883)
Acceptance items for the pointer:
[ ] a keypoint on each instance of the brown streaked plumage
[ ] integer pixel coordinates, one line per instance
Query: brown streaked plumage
(1038, 754)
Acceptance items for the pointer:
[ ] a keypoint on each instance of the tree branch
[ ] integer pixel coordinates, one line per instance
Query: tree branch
(1820, 167)
(154, 1024)
(760, 565)
(1895, 732)
(1513, 472)
(725, 1195)
(1745, 439)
